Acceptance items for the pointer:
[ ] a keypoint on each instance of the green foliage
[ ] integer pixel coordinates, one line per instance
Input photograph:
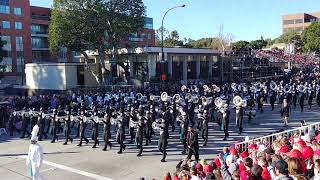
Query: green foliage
(93, 24)
(258, 44)
(240, 45)
(311, 37)
(212, 43)
(171, 40)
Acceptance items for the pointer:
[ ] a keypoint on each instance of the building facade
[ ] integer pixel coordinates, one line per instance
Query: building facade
(299, 22)
(24, 29)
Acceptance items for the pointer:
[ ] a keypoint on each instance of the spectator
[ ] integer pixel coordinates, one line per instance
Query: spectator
(256, 172)
(281, 171)
(246, 174)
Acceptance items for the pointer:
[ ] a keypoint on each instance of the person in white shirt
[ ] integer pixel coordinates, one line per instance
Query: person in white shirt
(35, 155)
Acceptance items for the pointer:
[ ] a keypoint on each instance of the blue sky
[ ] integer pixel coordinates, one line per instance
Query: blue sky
(244, 19)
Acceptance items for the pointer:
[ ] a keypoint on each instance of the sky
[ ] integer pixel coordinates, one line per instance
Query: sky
(243, 19)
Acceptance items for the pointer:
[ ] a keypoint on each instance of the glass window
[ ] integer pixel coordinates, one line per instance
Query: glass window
(18, 25)
(19, 43)
(38, 42)
(298, 21)
(4, 9)
(149, 36)
(17, 11)
(288, 22)
(7, 45)
(6, 24)
(39, 29)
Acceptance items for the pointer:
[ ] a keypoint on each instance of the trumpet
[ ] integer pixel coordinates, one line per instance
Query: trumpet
(273, 86)
(176, 98)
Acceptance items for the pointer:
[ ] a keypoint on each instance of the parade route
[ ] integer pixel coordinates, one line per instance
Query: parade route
(76, 163)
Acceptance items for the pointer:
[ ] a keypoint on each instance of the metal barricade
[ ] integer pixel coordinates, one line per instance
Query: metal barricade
(267, 140)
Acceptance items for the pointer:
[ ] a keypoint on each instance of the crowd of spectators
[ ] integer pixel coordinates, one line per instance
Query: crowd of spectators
(287, 158)
(279, 55)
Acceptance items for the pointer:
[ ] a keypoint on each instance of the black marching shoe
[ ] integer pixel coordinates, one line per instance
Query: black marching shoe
(163, 160)
(138, 155)
(65, 143)
(119, 152)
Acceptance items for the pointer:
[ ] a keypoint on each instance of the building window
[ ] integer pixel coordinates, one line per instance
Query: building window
(7, 41)
(18, 25)
(19, 43)
(4, 9)
(38, 42)
(298, 21)
(149, 36)
(39, 29)
(6, 24)
(17, 11)
(285, 22)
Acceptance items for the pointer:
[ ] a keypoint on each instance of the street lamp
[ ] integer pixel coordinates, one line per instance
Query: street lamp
(162, 29)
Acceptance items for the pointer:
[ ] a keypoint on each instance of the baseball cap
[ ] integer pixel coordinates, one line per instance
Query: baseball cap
(307, 152)
(244, 154)
(233, 151)
(284, 149)
(252, 146)
(295, 153)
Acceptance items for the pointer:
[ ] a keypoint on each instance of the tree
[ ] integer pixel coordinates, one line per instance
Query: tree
(96, 25)
(171, 40)
(240, 45)
(311, 37)
(224, 39)
(258, 44)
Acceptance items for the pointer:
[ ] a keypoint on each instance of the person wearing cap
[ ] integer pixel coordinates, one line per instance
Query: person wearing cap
(35, 155)
(192, 143)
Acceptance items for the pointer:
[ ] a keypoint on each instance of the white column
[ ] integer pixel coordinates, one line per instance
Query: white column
(198, 59)
(131, 65)
(171, 57)
(185, 68)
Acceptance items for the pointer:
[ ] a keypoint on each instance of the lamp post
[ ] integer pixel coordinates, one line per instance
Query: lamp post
(162, 29)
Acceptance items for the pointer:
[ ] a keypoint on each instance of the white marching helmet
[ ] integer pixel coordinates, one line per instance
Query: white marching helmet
(34, 133)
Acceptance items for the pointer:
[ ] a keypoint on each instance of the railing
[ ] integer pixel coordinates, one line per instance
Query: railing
(272, 137)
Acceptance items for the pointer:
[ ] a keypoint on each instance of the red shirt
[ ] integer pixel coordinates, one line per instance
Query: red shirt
(245, 175)
(265, 174)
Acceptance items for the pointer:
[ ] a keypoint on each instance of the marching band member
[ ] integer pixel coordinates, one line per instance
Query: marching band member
(107, 127)
(139, 134)
(192, 143)
(164, 135)
(55, 126)
(121, 132)
(239, 117)
(205, 127)
(25, 122)
(67, 129)
(148, 128)
(95, 127)
(82, 128)
(41, 124)
(285, 111)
